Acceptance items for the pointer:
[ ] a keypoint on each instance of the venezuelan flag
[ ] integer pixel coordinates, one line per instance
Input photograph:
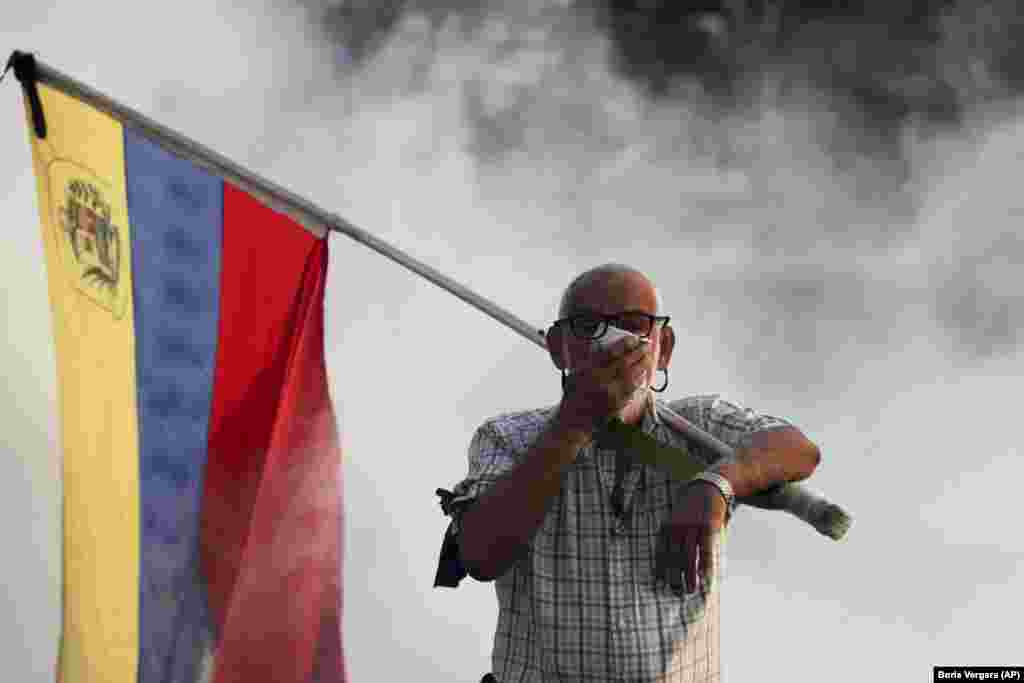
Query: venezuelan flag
(201, 475)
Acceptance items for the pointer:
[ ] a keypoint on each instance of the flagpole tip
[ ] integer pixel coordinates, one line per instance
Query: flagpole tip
(24, 65)
(17, 61)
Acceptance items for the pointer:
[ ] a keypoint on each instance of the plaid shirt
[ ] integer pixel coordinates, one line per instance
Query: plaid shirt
(582, 604)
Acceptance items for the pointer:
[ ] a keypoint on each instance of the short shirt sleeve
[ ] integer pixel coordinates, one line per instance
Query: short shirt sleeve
(726, 420)
(490, 457)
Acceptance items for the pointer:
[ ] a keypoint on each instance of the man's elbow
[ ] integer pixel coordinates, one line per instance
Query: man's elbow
(802, 456)
(810, 459)
(796, 455)
(475, 567)
(481, 575)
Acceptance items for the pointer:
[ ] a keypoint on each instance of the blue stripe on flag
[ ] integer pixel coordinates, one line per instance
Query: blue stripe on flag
(176, 212)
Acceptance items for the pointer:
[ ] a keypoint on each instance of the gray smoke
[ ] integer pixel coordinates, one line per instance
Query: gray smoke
(803, 139)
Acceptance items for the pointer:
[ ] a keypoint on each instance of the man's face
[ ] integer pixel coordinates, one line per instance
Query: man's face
(613, 294)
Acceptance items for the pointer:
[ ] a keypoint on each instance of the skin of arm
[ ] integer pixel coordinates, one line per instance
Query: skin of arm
(768, 458)
(498, 528)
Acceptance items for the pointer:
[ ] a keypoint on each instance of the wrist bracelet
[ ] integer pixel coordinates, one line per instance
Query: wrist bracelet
(723, 486)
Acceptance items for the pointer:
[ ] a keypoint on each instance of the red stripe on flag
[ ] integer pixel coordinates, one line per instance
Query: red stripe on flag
(271, 525)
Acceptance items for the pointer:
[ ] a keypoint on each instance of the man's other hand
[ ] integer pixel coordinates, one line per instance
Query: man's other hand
(688, 542)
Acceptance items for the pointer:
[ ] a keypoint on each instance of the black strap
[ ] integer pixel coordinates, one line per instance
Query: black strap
(24, 65)
(10, 63)
(450, 571)
(446, 497)
(449, 567)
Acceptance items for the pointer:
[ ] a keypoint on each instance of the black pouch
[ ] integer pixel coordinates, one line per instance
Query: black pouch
(450, 570)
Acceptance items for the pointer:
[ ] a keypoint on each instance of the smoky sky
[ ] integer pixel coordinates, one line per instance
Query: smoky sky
(887, 61)
(831, 117)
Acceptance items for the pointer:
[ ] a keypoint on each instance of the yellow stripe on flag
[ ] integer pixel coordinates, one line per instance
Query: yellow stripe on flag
(82, 202)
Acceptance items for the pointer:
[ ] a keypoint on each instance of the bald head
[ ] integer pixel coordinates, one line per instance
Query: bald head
(609, 288)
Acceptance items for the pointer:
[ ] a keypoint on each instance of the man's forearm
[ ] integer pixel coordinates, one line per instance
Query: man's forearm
(770, 458)
(498, 527)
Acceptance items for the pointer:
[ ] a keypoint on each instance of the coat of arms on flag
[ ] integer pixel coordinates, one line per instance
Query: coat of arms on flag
(90, 243)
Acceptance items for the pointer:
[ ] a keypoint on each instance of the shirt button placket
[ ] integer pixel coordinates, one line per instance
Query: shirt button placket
(618, 529)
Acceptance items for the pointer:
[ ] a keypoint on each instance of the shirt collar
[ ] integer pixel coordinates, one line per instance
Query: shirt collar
(650, 421)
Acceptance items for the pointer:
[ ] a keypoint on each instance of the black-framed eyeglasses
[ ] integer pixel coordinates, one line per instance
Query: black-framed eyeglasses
(594, 325)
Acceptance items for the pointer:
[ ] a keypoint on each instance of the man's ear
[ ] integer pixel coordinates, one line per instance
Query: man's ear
(555, 348)
(667, 344)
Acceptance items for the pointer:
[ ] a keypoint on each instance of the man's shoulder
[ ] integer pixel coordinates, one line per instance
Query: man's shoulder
(694, 407)
(520, 428)
(724, 417)
(530, 423)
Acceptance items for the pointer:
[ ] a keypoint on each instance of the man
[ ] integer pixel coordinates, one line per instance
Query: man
(603, 566)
